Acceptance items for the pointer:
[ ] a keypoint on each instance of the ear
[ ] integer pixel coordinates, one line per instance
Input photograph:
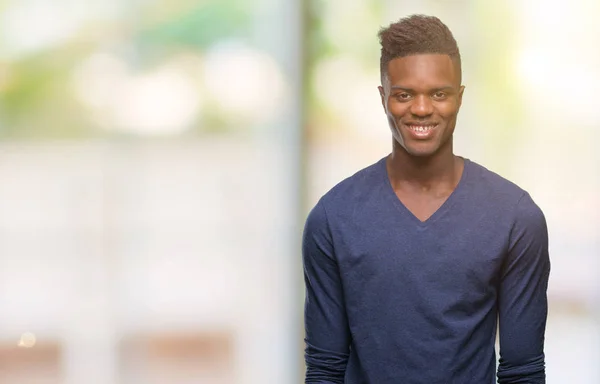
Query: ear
(460, 94)
(382, 94)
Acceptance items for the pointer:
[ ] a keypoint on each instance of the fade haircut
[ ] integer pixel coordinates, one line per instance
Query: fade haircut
(416, 34)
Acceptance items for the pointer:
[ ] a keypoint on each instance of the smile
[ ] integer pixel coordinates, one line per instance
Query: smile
(421, 128)
(421, 131)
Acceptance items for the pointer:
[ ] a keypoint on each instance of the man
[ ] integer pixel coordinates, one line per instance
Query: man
(411, 263)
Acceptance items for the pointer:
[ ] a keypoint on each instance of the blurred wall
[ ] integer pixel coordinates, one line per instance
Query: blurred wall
(158, 159)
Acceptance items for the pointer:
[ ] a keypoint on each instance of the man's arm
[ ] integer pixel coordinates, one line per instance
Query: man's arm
(522, 302)
(326, 325)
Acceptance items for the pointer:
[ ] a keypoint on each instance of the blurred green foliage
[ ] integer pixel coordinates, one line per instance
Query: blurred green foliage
(36, 100)
(198, 26)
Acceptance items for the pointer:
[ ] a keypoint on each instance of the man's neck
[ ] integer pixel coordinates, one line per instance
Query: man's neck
(443, 169)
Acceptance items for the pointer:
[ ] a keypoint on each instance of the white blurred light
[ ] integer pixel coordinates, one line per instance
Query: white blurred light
(97, 79)
(543, 18)
(556, 65)
(27, 26)
(543, 78)
(245, 82)
(351, 92)
(164, 101)
(333, 81)
(533, 69)
(27, 340)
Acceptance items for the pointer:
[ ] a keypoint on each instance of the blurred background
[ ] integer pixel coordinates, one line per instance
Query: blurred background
(158, 159)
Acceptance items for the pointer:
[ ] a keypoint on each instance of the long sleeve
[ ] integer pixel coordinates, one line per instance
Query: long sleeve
(522, 302)
(326, 325)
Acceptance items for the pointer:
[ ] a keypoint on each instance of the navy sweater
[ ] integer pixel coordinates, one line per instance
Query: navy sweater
(393, 300)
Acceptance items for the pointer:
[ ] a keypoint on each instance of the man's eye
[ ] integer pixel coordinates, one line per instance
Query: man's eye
(439, 95)
(403, 96)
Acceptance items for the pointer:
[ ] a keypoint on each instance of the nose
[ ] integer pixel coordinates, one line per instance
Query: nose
(421, 106)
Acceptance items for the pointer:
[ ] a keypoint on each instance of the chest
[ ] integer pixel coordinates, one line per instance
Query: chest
(424, 201)
(422, 206)
(451, 257)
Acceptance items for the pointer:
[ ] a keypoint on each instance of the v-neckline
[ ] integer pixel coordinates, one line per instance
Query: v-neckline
(438, 212)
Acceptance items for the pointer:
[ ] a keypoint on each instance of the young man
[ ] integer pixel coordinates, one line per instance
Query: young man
(410, 263)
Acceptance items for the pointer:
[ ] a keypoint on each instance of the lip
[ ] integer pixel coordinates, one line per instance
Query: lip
(421, 130)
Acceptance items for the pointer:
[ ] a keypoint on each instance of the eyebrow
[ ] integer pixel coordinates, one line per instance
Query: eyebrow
(443, 88)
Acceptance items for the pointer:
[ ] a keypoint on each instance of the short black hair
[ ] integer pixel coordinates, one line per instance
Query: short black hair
(416, 34)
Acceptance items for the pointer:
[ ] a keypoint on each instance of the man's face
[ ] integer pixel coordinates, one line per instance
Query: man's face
(421, 95)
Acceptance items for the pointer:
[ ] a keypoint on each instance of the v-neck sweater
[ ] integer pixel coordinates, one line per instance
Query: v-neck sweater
(391, 299)
(441, 209)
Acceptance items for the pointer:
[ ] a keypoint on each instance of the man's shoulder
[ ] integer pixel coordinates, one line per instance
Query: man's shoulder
(494, 186)
(498, 203)
(355, 187)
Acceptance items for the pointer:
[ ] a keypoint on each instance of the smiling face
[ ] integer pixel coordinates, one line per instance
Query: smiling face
(421, 96)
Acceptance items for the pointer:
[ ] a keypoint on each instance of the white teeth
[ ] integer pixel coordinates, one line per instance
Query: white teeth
(421, 128)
